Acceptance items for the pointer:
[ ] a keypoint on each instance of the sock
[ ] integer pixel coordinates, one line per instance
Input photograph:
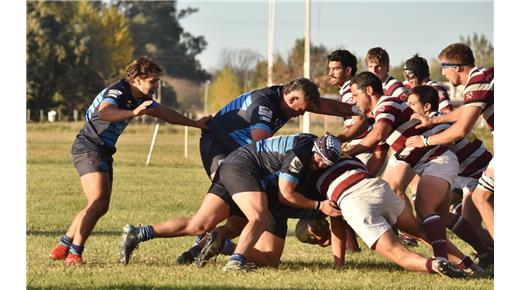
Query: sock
(145, 233)
(228, 248)
(238, 257)
(429, 268)
(65, 241)
(197, 240)
(436, 233)
(463, 229)
(465, 263)
(75, 249)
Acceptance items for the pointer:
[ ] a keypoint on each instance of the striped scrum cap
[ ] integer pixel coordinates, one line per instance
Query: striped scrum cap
(328, 148)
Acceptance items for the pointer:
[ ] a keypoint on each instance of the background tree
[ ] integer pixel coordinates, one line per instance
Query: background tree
(483, 50)
(224, 88)
(242, 61)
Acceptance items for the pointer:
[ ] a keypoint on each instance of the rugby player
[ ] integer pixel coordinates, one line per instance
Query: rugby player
(458, 67)
(106, 118)
(241, 179)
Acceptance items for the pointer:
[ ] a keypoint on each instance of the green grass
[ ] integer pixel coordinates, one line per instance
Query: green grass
(171, 186)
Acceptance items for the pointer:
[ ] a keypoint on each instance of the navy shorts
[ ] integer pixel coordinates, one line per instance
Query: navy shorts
(211, 152)
(278, 221)
(92, 161)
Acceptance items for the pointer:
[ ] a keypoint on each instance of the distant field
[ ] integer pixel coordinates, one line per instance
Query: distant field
(172, 186)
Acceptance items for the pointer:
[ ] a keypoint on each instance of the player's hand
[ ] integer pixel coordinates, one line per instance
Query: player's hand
(330, 208)
(143, 108)
(202, 123)
(425, 121)
(415, 141)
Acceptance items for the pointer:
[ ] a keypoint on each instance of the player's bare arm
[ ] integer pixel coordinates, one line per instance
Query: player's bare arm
(259, 134)
(459, 129)
(380, 132)
(289, 196)
(360, 126)
(336, 108)
(339, 240)
(174, 117)
(111, 113)
(450, 117)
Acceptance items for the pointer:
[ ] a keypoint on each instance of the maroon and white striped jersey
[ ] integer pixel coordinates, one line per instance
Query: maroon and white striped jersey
(444, 98)
(397, 114)
(338, 178)
(346, 93)
(479, 92)
(473, 157)
(394, 88)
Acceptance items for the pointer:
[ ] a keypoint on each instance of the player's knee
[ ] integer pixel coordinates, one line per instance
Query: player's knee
(98, 207)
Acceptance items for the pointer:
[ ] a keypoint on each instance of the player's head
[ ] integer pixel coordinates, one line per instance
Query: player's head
(327, 150)
(378, 62)
(313, 231)
(363, 86)
(143, 74)
(299, 96)
(342, 66)
(423, 99)
(416, 70)
(456, 59)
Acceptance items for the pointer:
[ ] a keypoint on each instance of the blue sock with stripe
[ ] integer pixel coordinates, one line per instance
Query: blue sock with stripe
(65, 241)
(75, 249)
(238, 257)
(228, 248)
(145, 233)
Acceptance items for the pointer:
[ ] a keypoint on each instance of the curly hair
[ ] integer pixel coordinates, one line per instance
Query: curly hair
(310, 92)
(346, 58)
(142, 66)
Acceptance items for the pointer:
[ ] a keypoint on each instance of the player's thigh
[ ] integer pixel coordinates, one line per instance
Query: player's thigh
(212, 211)
(398, 175)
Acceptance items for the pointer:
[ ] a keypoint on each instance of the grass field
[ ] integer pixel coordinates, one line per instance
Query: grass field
(171, 186)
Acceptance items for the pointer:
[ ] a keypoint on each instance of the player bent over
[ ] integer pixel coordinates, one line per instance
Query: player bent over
(110, 112)
(281, 160)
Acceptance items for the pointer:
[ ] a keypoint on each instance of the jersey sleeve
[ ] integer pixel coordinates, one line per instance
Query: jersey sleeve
(113, 96)
(296, 161)
(261, 116)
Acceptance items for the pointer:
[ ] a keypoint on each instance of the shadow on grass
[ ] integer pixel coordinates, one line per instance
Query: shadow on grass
(60, 233)
(129, 286)
(360, 265)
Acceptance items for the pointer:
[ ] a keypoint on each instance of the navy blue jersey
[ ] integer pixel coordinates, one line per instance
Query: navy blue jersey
(259, 109)
(285, 157)
(101, 135)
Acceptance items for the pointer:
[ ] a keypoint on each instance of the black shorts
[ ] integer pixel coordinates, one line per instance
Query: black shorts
(211, 152)
(92, 161)
(236, 177)
(278, 221)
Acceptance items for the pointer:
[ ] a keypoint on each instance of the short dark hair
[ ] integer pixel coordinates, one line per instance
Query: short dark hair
(379, 55)
(142, 66)
(346, 59)
(458, 53)
(365, 79)
(310, 91)
(427, 95)
(419, 67)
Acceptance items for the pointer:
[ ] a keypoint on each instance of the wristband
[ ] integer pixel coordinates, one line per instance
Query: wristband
(317, 207)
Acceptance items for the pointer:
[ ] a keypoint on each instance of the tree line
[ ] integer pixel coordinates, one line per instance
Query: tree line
(75, 49)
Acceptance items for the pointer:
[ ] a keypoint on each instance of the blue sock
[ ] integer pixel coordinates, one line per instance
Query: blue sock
(197, 241)
(228, 248)
(145, 233)
(238, 257)
(65, 241)
(75, 249)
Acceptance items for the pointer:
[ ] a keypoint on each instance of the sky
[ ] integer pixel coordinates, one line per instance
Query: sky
(402, 28)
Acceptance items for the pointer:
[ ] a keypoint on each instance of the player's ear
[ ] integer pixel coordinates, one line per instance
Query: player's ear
(369, 90)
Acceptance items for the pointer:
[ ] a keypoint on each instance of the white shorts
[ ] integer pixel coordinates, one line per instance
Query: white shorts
(466, 184)
(371, 208)
(364, 157)
(444, 166)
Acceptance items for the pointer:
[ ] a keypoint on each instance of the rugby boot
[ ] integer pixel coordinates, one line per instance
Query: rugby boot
(445, 268)
(73, 260)
(59, 252)
(129, 243)
(212, 247)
